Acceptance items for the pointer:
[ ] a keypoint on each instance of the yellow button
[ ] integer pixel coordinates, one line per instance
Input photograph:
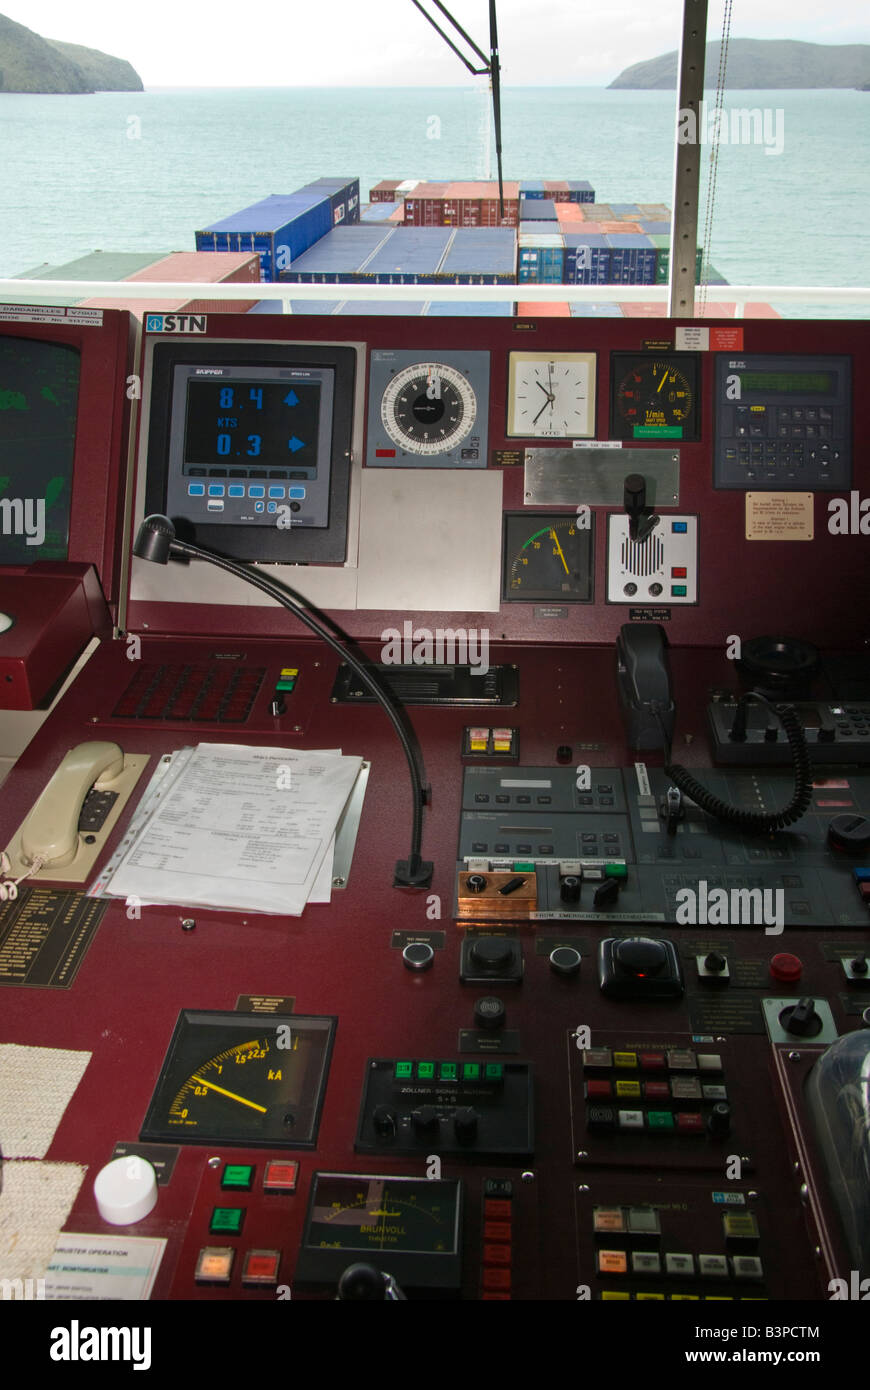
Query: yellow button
(628, 1088)
(650, 1297)
(626, 1060)
(614, 1295)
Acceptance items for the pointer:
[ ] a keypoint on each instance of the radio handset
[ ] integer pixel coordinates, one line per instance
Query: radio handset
(644, 685)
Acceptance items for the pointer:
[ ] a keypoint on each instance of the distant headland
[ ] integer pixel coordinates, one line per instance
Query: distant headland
(762, 64)
(29, 63)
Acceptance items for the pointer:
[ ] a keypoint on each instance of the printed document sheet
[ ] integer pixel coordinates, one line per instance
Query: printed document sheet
(245, 828)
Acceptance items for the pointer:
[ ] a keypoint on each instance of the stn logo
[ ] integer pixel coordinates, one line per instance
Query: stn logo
(175, 323)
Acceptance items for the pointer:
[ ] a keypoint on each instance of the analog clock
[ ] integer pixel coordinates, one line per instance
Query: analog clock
(551, 395)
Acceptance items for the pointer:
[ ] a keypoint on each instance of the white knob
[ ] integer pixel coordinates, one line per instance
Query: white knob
(5, 622)
(126, 1190)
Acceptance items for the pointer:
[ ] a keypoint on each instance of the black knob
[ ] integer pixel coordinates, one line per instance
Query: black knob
(771, 733)
(384, 1121)
(655, 589)
(475, 883)
(715, 962)
(801, 1019)
(418, 955)
(492, 952)
(606, 893)
(859, 965)
(564, 753)
(719, 1119)
(425, 1119)
(640, 955)
(361, 1283)
(565, 960)
(634, 492)
(489, 1012)
(465, 1120)
(569, 888)
(849, 834)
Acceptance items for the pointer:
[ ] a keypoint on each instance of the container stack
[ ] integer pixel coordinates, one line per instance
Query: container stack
(156, 266)
(462, 205)
(480, 256)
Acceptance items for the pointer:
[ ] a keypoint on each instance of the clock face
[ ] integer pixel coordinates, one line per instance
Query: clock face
(428, 408)
(551, 395)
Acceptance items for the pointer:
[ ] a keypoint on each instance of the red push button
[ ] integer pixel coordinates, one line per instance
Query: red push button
(281, 1175)
(496, 1254)
(690, 1123)
(786, 968)
(497, 1230)
(678, 571)
(495, 1209)
(496, 1279)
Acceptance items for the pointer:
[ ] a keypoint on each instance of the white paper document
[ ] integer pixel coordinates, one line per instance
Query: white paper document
(246, 828)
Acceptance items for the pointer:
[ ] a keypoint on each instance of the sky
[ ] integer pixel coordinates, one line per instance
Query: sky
(325, 43)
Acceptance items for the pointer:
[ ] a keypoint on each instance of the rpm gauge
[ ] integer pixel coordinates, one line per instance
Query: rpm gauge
(654, 396)
(547, 558)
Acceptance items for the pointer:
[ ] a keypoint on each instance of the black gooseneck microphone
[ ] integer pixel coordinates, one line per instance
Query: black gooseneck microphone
(156, 541)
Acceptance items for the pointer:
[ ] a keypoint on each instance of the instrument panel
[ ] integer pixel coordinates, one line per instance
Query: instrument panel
(579, 1064)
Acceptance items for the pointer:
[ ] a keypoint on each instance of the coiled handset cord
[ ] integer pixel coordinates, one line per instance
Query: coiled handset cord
(752, 822)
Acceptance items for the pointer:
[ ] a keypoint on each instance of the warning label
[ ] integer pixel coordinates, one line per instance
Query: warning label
(779, 516)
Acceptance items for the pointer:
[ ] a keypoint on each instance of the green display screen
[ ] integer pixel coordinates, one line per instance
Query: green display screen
(39, 390)
(788, 383)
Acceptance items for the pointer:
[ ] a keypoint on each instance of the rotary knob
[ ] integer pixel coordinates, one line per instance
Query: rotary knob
(641, 956)
(489, 1012)
(475, 883)
(492, 952)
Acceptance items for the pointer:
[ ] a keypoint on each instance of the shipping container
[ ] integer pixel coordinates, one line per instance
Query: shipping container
(599, 212)
(587, 259)
(597, 311)
(655, 228)
(441, 309)
(537, 209)
(580, 191)
(662, 244)
(532, 188)
(278, 228)
(409, 256)
(481, 256)
(343, 194)
(97, 265)
(380, 213)
(632, 259)
(620, 228)
(554, 310)
(385, 191)
(541, 259)
(338, 257)
(207, 268)
(626, 212)
(412, 308)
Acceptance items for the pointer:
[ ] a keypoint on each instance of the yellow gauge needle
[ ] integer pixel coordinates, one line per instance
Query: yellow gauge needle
(661, 383)
(201, 1081)
(559, 549)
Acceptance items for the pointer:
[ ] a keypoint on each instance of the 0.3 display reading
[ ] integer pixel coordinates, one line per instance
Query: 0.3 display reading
(250, 424)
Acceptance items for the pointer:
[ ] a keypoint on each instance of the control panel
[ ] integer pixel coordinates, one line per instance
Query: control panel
(439, 903)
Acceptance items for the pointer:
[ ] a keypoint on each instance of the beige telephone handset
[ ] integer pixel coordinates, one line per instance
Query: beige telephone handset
(49, 836)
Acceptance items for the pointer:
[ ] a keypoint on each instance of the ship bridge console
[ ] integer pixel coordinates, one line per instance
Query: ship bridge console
(452, 864)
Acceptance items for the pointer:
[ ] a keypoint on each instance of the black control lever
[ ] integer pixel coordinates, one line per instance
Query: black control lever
(642, 520)
(365, 1283)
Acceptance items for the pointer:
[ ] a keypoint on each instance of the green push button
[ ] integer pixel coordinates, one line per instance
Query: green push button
(659, 1119)
(493, 1071)
(616, 870)
(227, 1221)
(426, 1071)
(285, 685)
(678, 590)
(403, 1071)
(238, 1176)
(447, 1071)
(524, 868)
(470, 1071)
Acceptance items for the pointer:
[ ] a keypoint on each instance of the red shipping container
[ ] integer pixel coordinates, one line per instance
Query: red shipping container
(556, 310)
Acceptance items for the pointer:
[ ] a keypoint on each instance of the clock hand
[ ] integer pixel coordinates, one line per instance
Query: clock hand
(547, 402)
(547, 393)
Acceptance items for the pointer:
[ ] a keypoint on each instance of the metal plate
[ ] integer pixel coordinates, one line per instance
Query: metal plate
(564, 477)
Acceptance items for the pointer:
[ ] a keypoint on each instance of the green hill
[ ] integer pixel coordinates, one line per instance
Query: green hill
(29, 63)
(762, 64)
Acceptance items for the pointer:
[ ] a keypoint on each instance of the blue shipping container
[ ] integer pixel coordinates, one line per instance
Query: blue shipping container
(587, 259)
(338, 257)
(632, 259)
(539, 209)
(279, 229)
(409, 254)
